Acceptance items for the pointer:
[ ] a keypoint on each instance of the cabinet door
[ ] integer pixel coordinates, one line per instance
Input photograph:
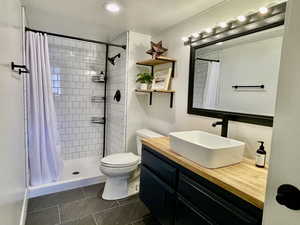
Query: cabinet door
(186, 214)
(158, 197)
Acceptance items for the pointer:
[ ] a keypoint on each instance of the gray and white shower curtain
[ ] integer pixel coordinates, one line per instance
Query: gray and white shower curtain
(211, 90)
(45, 163)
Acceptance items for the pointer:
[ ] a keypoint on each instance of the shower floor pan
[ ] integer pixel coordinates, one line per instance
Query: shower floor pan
(76, 173)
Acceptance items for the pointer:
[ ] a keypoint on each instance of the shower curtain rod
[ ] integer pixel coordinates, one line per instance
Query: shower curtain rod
(75, 38)
(208, 60)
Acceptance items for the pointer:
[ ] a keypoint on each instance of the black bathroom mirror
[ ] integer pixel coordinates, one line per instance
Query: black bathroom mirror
(237, 78)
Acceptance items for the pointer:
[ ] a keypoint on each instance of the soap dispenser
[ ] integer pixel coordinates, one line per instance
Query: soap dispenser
(261, 155)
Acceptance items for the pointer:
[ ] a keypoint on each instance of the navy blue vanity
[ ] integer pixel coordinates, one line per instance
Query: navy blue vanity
(177, 196)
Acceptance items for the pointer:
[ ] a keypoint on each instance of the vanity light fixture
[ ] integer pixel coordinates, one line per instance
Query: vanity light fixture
(263, 10)
(223, 24)
(112, 7)
(241, 18)
(266, 11)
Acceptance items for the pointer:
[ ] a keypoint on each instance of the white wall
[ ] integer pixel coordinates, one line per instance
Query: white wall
(253, 63)
(162, 118)
(12, 147)
(136, 113)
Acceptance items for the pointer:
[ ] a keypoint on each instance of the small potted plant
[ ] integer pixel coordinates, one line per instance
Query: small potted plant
(144, 79)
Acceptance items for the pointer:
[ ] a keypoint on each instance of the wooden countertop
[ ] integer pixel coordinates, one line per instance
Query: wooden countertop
(244, 179)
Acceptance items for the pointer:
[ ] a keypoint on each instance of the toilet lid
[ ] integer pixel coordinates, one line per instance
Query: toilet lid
(120, 160)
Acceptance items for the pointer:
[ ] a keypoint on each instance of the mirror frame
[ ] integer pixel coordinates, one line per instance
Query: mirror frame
(233, 116)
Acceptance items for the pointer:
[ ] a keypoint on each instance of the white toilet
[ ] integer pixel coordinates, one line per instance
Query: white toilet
(122, 170)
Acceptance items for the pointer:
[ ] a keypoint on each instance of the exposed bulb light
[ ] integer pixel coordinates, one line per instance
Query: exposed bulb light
(195, 35)
(208, 30)
(263, 10)
(241, 18)
(112, 7)
(184, 39)
(223, 25)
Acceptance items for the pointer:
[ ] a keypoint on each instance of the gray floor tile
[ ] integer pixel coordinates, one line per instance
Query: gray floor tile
(129, 200)
(48, 216)
(149, 220)
(93, 190)
(89, 220)
(54, 199)
(81, 208)
(122, 215)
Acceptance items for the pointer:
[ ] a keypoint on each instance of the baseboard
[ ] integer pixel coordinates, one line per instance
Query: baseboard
(24, 208)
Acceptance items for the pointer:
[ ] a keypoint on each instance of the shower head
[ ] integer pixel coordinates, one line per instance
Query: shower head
(112, 59)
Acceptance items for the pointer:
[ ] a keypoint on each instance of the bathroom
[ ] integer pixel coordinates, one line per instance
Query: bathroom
(83, 143)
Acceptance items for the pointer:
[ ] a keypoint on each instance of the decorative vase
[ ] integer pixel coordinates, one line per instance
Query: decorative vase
(144, 86)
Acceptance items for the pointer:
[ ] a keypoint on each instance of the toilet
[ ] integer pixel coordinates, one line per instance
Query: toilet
(122, 170)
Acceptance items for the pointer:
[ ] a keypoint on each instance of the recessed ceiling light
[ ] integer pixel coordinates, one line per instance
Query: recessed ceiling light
(241, 18)
(112, 7)
(263, 10)
(223, 24)
(195, 35)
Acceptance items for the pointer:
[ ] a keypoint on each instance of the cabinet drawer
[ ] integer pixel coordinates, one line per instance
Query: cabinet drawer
(158, 197)
(186, 214)
(213, 205)
(159, 167)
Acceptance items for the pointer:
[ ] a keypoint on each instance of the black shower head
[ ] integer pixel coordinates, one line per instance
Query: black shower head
(112, 59)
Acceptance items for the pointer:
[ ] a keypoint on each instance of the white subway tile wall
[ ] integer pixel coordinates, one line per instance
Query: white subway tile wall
(116, 111)
(73, 63)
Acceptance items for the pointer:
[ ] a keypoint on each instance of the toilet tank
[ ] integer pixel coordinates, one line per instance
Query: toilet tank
(144, 133)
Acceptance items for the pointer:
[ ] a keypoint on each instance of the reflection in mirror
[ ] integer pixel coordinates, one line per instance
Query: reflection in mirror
(239, 75)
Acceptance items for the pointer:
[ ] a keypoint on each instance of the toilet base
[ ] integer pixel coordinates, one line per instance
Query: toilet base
(122, 187)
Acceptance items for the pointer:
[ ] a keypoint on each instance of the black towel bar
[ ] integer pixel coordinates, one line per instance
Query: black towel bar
(22, 68)
(262, 86)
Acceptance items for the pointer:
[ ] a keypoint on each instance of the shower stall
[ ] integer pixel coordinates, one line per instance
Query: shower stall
(86, 77)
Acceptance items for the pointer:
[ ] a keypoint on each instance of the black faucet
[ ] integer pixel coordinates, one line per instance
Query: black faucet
(224, 124)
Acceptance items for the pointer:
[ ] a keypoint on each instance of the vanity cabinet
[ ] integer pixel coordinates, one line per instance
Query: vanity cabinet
(177, 196)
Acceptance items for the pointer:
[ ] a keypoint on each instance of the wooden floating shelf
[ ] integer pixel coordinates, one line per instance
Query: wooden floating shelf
(159, 91)
(171, 92)
(159, 60)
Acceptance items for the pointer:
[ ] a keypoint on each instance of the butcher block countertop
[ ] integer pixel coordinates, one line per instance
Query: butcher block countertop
(244, 179)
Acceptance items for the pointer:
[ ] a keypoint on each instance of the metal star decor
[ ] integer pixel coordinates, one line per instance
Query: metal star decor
(156, 49)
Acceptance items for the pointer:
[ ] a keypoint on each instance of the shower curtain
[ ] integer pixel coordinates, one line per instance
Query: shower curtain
(45, 163)
(211, 90)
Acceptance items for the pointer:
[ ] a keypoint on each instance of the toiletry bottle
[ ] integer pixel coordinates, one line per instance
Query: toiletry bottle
(261, 155)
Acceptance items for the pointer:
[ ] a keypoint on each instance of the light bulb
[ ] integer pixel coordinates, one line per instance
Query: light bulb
(263, 10)
(219, 43)
(223, 24)
(241, 18)
(185, 39)
(208, 30)
(195, 35)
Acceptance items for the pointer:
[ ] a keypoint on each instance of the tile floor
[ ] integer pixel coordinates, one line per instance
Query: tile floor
(83, 206)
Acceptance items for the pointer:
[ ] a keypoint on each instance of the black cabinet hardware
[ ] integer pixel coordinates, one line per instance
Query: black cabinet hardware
(289, 196)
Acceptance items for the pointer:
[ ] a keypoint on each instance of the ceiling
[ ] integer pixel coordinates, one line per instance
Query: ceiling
(87, 18)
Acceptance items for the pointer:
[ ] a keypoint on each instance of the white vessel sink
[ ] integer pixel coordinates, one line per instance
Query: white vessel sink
(208, 150)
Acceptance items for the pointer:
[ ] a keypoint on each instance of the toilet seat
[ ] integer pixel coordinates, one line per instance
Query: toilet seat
(120, 160)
